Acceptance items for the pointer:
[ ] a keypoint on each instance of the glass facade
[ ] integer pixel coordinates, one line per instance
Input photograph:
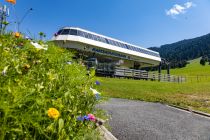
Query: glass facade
(105, 40)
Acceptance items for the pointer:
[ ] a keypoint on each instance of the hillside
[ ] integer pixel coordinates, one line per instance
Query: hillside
(192, 69)
(186, 49)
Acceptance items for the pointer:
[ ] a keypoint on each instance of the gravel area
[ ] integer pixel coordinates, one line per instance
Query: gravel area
(137, 120)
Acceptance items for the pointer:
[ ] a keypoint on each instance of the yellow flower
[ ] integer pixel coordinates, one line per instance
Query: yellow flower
(53, 113)
(17, 34)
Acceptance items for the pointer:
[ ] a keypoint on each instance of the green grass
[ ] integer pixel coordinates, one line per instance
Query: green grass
(192, 94)
(192, 69)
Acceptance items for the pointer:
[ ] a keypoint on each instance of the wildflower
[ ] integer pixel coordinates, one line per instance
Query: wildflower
(96, 93)
(17, 34)
(98, 83)
(53, 113)
(80, 118)
(91, 117)
(5, 70)
(86, 118)
(69, 62)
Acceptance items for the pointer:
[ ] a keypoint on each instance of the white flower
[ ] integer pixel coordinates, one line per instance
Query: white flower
(5, 70)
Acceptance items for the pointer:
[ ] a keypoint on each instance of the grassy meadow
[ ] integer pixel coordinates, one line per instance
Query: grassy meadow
(194, 94)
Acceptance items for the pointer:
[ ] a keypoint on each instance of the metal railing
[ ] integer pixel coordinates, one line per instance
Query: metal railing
(141, 74)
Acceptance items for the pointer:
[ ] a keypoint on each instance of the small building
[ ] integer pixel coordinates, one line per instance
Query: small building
(105, 49)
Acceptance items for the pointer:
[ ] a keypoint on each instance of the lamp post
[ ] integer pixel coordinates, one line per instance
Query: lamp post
(22, 19)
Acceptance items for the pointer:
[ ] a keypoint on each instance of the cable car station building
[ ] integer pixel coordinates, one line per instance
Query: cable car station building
(105, 49)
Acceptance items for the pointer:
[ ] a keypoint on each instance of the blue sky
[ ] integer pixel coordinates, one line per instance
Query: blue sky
(145, 23)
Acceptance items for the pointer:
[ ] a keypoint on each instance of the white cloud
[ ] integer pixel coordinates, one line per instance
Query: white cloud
(179, 9)
(189, 5)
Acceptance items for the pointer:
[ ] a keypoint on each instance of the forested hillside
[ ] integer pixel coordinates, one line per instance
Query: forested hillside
(180, 52)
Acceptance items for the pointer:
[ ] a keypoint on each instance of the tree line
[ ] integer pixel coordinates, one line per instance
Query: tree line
(180, 52)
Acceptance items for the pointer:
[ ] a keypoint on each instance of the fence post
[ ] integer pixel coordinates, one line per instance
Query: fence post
(169, 77)
(159, 77)
(153, 75)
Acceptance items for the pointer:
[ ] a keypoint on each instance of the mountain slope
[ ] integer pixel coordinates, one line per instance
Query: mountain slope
(186, 49)
(194, 68)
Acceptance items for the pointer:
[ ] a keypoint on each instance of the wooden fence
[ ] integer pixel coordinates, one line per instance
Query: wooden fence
(141, 74)
(198, 78)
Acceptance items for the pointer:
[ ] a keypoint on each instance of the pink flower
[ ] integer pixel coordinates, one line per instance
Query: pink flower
(91, 117)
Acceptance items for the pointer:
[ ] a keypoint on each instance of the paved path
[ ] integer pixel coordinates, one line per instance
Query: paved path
(136, 120)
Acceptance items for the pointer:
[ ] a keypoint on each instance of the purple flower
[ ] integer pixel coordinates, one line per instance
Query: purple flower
(97, 83)
(86, 118)
(80, 118)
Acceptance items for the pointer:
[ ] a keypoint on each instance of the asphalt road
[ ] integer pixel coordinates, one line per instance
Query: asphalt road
(136, 120)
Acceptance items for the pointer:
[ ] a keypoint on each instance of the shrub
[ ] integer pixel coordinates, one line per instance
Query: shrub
(202, 62)
(41, 95)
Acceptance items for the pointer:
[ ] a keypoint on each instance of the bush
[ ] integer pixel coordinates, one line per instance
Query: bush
(202, 62)
(41, 95)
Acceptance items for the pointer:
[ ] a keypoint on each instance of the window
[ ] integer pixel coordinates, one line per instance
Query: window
(136, 49)
(73, 32)
(80, 33)
(65, 32)
(107, 41)
(110, 41)
(103, 40)
(126, 46)
(132, 48)
(99, 38)
(95, 38)
(117, 44)
(85, 34)
(89, 36)
(123, 45)
(59, 32)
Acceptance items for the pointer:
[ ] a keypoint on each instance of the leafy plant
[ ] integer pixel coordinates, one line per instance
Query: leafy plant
(34, 84)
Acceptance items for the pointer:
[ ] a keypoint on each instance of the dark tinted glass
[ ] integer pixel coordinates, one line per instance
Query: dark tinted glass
(73, 32)
(103, 40)
(126, 46)
(90, 36)
(86, 35)
(107, 41)
(59, 32)
(80, 33)
(99, 38)
(65, 32)
(115, 43)
(130, 47)
(95, 38)
(123, 45)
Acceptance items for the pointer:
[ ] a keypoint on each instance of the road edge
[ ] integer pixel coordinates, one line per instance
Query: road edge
(190, 110)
